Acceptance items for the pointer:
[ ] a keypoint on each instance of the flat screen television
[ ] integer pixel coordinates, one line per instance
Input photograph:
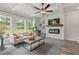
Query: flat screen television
(55, 21)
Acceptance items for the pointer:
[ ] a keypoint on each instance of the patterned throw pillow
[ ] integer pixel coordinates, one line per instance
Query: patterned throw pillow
(17, 36)
(29, 33)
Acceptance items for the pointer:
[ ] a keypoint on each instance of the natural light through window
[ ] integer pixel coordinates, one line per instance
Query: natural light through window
(6, 21)
(20, 25)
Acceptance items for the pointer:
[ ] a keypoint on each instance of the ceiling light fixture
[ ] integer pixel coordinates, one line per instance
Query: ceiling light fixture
(43, 10)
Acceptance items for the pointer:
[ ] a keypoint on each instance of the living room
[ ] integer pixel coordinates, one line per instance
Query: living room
(47, 23)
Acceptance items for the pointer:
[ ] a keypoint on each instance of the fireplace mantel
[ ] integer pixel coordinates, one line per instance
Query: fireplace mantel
(54, 25)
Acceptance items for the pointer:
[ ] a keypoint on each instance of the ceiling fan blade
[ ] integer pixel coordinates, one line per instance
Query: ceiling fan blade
(49, 11)
(47, 6)
(37, 8)
(37, 12)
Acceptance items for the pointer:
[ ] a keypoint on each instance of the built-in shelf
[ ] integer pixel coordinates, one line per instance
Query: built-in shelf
(54, 25)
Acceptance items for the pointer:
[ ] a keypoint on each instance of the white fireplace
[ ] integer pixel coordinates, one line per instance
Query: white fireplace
(55, 32)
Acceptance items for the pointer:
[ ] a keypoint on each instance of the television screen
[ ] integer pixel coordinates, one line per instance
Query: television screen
(55, 21)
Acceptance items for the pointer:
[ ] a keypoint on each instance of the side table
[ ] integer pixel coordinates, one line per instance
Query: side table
(2, 42)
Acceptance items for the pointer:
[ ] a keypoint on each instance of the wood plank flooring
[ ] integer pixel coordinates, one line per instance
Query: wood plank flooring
(70, 48)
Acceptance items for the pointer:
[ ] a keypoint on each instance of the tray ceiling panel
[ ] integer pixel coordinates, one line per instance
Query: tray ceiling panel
(27, 9)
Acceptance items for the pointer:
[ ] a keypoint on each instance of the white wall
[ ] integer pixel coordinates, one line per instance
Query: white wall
(45, 19)
(37, 22)
(72, 25)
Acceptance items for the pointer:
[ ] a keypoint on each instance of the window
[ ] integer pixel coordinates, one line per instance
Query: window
(30, 25)
(8, 30)
(19, 25)
(6, 21)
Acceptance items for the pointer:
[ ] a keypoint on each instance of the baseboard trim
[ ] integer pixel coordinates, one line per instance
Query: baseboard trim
(73, 40)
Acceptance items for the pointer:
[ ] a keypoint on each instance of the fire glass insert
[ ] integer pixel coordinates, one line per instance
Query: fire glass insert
(54, 31)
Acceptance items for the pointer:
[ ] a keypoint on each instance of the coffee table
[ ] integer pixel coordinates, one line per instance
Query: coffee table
(33, 44)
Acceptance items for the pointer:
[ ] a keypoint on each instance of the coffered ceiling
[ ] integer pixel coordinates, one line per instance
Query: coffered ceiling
(28, 10)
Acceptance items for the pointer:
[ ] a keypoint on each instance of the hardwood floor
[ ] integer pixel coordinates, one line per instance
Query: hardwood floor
(70, 48)
(51, 47)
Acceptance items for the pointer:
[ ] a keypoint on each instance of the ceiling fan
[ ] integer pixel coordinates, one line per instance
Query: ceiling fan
(43, 10)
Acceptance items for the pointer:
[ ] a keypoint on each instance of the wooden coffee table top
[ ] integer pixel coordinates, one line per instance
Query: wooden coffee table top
(33, 41)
